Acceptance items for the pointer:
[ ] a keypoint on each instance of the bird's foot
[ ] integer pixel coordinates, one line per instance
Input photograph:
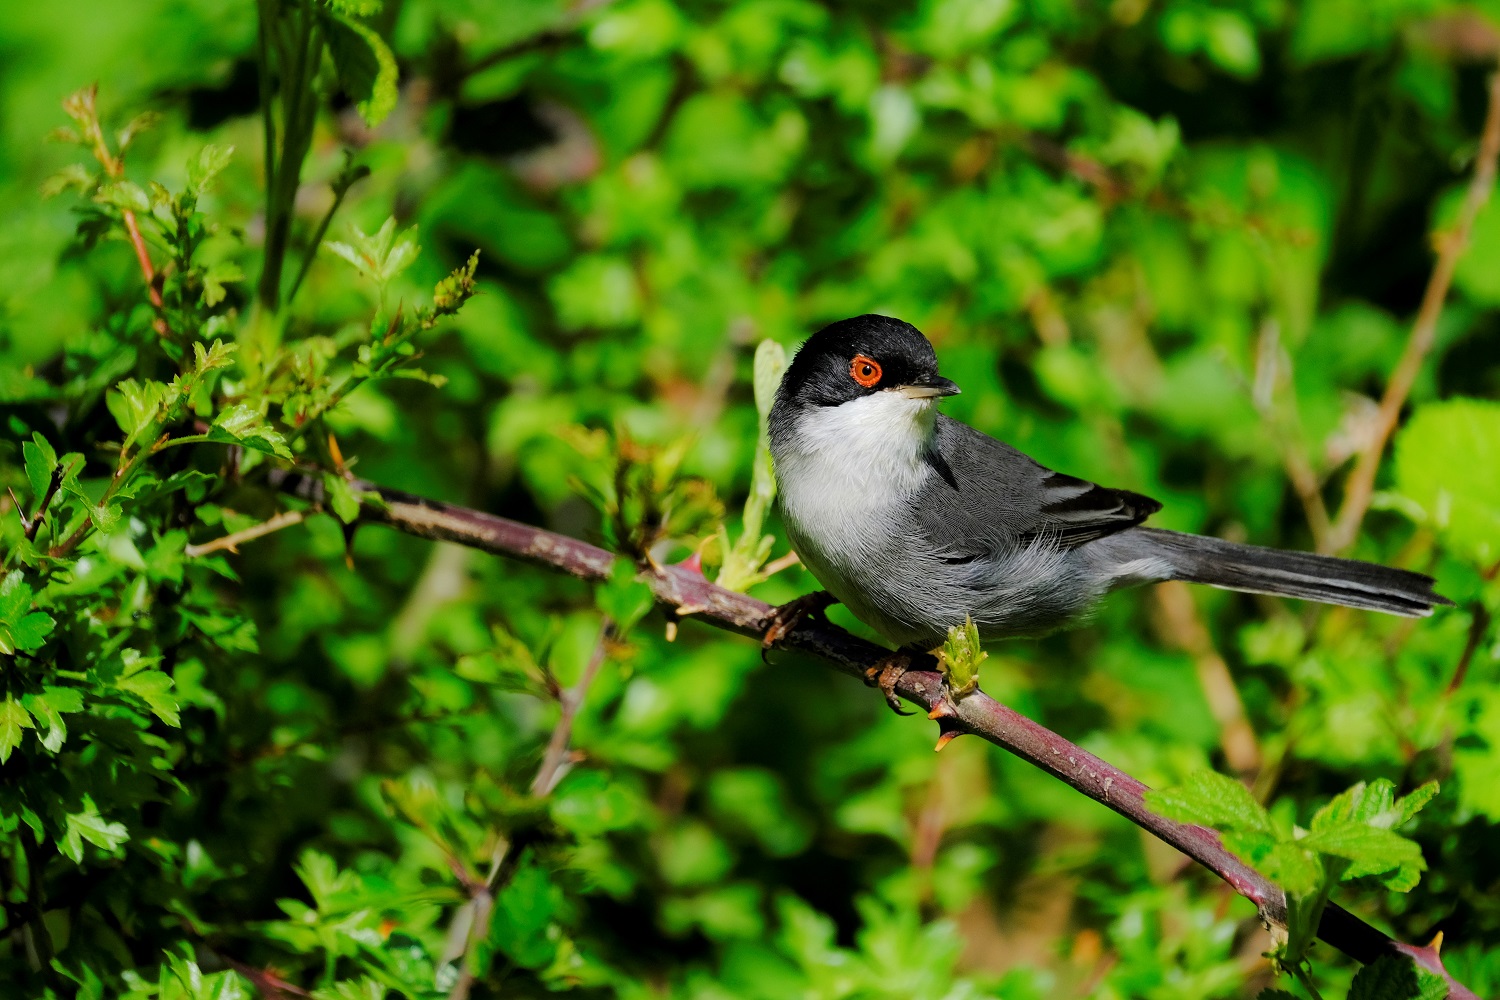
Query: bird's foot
(886, 674)
(790, 615)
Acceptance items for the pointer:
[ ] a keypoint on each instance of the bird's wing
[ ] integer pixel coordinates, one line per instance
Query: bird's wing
(989, 495)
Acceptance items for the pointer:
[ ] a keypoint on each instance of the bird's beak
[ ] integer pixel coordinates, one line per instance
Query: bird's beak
(929, 388)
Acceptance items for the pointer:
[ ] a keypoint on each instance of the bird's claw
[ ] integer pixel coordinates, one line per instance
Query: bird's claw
(885, 674)
(789, 615)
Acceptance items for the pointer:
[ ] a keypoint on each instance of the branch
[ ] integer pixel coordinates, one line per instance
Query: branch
(682, 590)
(1451, 246)
(285, 519)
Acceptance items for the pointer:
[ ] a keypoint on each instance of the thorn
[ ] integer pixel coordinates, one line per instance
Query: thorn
(338, 456)
(20, 512)
(950, 732)
(941, 710)
(1436, 944)
(671, 630)
(693, 563)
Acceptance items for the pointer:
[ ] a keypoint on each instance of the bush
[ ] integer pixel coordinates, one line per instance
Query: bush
(519, 258)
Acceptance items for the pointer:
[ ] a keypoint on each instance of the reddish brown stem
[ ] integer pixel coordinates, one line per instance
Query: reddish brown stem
(679, 588)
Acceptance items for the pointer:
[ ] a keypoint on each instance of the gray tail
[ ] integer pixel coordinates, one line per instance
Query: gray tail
(1260, 570)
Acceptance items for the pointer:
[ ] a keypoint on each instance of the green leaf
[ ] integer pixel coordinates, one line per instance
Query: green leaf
(13, 719)
(92, 827)
(1211, 800)
(352, 989)
(40, 461)
(341, 497)
(1448, 466)
(102, 516)
(365, 65)
(215, 278)
(207, 165)
(623, 597)
(15, 597)
(220, 355)
(136, 406)
(124, 195)
(523, 911)
(1370, 850)
(31, 631)
(154, 687)
(1393, 977)
(244, 426)
(48, 707)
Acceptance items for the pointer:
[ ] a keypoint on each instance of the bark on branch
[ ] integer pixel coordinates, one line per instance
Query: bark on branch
(682, 592)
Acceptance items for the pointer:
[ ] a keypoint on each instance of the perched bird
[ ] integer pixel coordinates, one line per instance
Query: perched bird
(914, 520)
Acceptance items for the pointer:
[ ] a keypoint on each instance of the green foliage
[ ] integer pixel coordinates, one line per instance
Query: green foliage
(1168, 246)
(1352, 836)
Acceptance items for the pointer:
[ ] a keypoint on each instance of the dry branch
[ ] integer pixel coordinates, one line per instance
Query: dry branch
(680, 590)
(1451, 246)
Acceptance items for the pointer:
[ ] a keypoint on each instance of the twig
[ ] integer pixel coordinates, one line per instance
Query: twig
(1182, 625)
(232, 541)
(1451, 246)
(1285, 427)
(35, 524)
(548, 775)
(507, 855)
(114, 167)
(1477, 627)
(976, 714)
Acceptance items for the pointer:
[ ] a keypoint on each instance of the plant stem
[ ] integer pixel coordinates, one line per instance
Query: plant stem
(677, 587)
(1451, 246)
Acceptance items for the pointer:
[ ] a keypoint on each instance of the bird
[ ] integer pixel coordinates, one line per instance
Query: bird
(917, 522)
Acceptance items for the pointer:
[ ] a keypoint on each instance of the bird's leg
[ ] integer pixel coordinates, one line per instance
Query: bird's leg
(790, 614)
(886, 673)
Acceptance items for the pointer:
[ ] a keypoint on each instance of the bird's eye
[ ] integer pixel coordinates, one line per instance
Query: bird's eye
(865, 371)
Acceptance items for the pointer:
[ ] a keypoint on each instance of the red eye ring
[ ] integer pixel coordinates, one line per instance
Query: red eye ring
(865, 370)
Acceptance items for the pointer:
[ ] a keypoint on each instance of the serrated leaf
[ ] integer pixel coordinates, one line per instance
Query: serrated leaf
(244, 426)
(365, 65)
(124, 195)
(214, 279)
(40, 460)
(219, 355)
(1210, 799)
(154, 687)
(352, 989)
(90, 826)
(15, 597)
(73, 177)
(103, 516)
(1392, 977)
(207, 165)
(43, 710)
(32, 630)
(1448, 464)
(1370, 850)
(136, 405)
(14, 720)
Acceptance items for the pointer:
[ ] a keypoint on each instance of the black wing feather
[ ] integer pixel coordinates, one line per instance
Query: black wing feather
(988, 496)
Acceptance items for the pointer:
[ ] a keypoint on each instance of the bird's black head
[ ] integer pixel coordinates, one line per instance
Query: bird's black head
(859, 357)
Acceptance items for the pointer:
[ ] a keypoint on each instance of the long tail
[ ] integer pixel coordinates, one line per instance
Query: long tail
(1261, 570)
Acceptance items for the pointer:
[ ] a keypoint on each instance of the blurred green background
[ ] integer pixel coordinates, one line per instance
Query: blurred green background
(1169, 245)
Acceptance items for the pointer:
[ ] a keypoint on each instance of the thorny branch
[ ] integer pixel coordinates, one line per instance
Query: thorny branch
(1451, 246)
(680, 588)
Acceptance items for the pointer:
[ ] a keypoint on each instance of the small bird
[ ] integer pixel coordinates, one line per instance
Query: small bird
(915, 521)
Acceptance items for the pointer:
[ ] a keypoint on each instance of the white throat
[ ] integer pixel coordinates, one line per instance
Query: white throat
(868, 452)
